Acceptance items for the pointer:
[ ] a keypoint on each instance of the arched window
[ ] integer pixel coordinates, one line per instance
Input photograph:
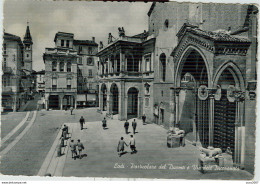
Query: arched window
(61, 66)
(54, 66)
(68, 67)
(163, 66)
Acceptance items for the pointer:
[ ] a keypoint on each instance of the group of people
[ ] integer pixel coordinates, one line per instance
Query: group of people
(74, 147)
(122, 143)
(126, 126)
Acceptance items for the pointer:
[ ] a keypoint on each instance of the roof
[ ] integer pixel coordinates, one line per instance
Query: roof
(12, 37)
(27, 37)
(216, 36)
(85, 42)
(141, 35)
(64, 34)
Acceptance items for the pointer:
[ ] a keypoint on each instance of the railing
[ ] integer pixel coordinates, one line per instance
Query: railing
(60, 51)
(61, 89)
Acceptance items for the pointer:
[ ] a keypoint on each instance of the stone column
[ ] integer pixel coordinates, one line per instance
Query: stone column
(75, 100)
(100, 100)
(173, 107)
(140, 105)
(239, 136)
(177, 108)
(61, 101)
(122, 101)
(122, 62)
(211, 117)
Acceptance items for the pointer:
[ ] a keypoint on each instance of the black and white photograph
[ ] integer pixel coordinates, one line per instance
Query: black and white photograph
(129, 90)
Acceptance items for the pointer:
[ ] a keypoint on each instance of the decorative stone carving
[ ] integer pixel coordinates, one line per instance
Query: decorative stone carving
(218, 93)
(231, 93)
(203, 92)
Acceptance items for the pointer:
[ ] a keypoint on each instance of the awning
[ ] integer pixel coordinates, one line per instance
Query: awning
(81, 98)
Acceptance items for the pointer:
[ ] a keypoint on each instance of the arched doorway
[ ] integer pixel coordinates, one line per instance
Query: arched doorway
(104, 97)
(132, 104)
(193, 111)
(225, 110)
(115, 99)
(54, 102)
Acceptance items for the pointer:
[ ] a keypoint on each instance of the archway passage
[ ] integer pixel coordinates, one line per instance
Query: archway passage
(104, 97)
(225, 114)
(68, 101)
(132, 104)
(115, 99)
(194, 112)
(54, 102)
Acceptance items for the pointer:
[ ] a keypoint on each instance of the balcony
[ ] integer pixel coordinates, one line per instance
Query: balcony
(61, 90)
(60, 51)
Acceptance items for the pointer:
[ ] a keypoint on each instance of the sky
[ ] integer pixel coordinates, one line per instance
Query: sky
(84, 19)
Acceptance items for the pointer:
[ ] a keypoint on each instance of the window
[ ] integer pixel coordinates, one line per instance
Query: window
(163, 66)
(4, 48)
(90, 61)
(27, 55)
(90, 50)
(80, 60)
(90, 72)
(68, 67)
(54, 66)
(166, 23)
(80, 49)
(67, 43)
(68, 83)
(54, 83)
(147, 63)
(132, 64)
(90, 86)
(61, 66)
(6, 81)
(62, 43)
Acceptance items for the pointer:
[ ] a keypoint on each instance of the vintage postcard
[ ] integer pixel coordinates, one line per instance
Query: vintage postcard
(129, 89)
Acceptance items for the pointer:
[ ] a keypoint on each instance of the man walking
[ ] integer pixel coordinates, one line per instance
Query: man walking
(71, 110)
(80, 148)
(126, 125)
(132, 144)
(81, 121)
(144, 118)
(121, 146)
(134, 125)
(104, 123)
(73, 149)
(65, 131)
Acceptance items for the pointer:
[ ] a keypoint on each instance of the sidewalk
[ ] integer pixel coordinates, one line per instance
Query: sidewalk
(153, 155)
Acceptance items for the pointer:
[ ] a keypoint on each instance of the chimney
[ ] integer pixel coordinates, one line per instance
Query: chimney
(93, 39)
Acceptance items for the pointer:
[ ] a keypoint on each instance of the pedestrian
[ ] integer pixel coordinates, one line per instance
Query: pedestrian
(134, 125)
(80, 148)
(81, 121)
(104, 123)
(62, 141)
(65, 131)
(73, 149)
(132, 144)
(144, 118)
(126, 125)
(71, 110)
(121, 146)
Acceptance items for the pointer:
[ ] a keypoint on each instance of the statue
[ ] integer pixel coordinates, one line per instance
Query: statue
(110, 38)
(101, 45)
(121, 31)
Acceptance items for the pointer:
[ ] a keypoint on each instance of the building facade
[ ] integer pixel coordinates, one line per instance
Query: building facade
(40, 81)
(201, 74)
(17, 81)
(126, 72)
(68, 68)
(87, 72)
